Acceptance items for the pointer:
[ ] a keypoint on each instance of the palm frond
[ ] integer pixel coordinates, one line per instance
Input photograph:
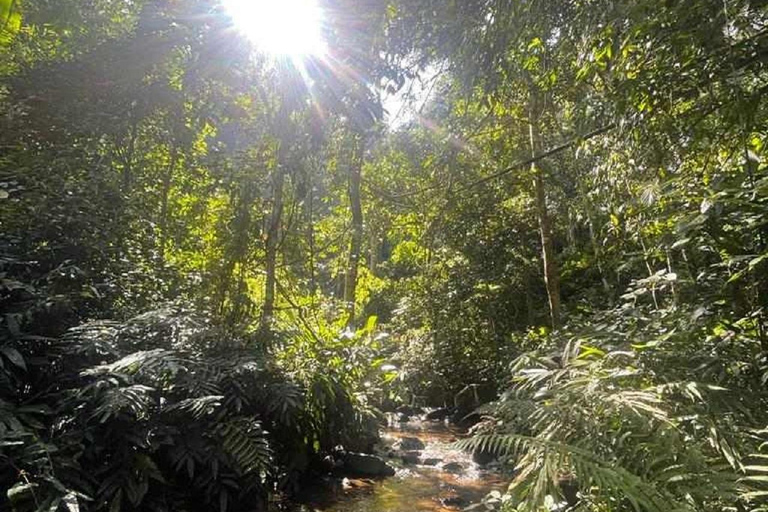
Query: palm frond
(543, 462)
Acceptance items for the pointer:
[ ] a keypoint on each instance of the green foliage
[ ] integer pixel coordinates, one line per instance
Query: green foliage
(637, 406)
(159, 412)
(149, 158)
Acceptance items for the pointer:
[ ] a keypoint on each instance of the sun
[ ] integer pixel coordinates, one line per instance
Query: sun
(291, 28)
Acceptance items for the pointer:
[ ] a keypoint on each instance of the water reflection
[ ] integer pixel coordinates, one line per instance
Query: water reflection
(452, 483)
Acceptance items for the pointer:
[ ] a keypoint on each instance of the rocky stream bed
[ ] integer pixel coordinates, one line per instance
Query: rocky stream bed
(421, 471)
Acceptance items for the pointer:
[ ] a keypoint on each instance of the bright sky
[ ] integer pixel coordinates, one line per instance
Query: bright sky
(291, 28)
(405, 105)
(294, 28)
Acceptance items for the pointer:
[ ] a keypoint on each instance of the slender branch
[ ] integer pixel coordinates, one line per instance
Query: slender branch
(517, 165)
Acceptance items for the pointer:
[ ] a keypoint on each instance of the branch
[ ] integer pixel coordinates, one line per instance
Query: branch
(518, 165)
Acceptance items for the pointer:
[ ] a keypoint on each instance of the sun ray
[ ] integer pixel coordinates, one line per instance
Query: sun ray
(291, 28)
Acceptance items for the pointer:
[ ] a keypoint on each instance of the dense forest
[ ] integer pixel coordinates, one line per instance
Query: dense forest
(225, 256)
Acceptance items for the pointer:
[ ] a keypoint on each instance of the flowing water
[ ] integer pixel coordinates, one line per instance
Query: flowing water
(451, 484)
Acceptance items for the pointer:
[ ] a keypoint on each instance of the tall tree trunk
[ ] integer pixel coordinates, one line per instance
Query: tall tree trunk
(551, 272)
(355, 246)
(375, 248)
(273, 232)
(311, 235)
(166, 192)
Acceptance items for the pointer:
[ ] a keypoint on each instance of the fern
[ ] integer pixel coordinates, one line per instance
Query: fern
(246, 443)
(543, 462)
(602, 416)
(163, 411)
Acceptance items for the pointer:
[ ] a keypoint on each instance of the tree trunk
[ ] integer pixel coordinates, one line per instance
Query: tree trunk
(551, 272)
(355, 246)
(375, 248)
(166, 192)
(311, 236)
(273, 232)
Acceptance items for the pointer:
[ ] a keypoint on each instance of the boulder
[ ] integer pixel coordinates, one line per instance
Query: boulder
(483, 457)
(430, 462)
(411, 457)
(409, 410)
(469, 421)
(438, 414)
(408, 444)
(364, 464)
(453, 467)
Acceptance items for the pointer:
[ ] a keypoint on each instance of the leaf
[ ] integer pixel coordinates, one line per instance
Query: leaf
(10, 21)
(587, 350)
(763, 469)
(14, 356)
(756, 478)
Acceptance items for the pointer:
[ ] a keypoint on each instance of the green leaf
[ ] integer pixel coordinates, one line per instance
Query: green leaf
(14, 356)
(10, 22)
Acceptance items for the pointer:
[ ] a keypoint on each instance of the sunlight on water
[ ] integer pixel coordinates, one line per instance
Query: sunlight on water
(414, 487)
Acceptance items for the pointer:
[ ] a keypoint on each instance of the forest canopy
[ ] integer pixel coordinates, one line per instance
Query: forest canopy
(233, 234)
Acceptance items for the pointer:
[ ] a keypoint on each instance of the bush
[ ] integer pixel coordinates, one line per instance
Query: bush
(639, 411)
(162, 412)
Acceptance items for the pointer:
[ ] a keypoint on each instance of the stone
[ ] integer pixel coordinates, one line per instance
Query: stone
(453, 467)
(438, 414)
(408, 444)
(411, 457)
(409, 410)
(450, 498)
(430, 462)
(452, 501)
(403, 418)
(469, 421)
(364, 464)
(483, 457)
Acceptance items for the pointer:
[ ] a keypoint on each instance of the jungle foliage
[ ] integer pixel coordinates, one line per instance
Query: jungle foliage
(218, 266)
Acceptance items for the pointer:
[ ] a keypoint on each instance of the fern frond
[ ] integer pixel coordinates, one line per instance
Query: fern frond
(246, 443)
(543, 460)
(133, 399)
(197, 408)
(158, 362)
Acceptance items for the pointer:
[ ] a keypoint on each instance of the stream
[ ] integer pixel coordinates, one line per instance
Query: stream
(442, 479)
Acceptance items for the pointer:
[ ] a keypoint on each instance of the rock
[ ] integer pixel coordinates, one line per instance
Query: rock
(408, 444)
(403, 418)
(409, 410)
(469, 421)
(438, 414)
(453, 467)
(430, 462)
(364, 464)
(411, 457)
(452, 501)
(483, 457)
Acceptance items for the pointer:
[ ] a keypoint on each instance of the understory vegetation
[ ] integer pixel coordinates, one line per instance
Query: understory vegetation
(218, 266)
